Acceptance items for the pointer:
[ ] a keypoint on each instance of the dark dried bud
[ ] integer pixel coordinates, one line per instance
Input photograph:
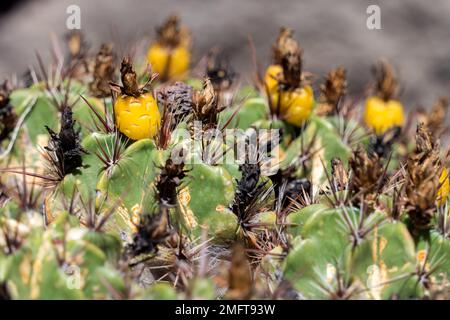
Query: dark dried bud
(168, 181)
(64, 148)
(153, 230)
(218, 70)
(178, 100)
(250, 177)
(438, 113)
(332, 91)
(248, 187)
(171, 34)
(381, 145)
(103, 72)
(387, 86)
(296, 189)
(129, 79)
(206, 107)
(422, 180)
(367, 172)
(288, 54)
(435, 120)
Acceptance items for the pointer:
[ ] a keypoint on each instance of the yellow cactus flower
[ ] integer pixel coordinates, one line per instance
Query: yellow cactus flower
(295, 106)
(136, 111)
(382, 115)
(169, 62)
(137, 118)
(291, 99)
(169, 55)
(444, 190)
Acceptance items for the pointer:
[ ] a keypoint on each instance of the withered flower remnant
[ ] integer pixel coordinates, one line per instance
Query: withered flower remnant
(64, 150)
(422, 180)
(103, 72)
(332, 92)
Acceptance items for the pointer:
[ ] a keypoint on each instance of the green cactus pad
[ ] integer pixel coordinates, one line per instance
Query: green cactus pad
(211, 190)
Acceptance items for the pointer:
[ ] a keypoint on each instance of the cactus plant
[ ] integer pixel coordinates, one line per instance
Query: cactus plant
(176, 190)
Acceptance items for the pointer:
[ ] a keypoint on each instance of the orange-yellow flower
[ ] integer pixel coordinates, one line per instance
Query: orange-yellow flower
(137, 118)
(382, 115)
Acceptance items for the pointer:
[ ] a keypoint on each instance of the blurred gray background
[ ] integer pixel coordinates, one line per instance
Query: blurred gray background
(415, 34)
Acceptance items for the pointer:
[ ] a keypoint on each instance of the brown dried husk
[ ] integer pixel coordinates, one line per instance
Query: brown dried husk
(422, 180)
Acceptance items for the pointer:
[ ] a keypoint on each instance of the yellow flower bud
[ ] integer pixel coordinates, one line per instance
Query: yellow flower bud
(137, 118)
(380, 115)
(168, 62)
(295, 106)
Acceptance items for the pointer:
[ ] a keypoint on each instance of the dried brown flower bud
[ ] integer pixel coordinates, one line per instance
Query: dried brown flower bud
(179, 100)
(367, 172)
(129, 78)
(171, 34)
(422, 180)
(153, 230)
(206, 107)
(64, 151)
(332, 91)
(435, 120)
(438, 113)
(103, 71)
(288, 53)
(387, 86)
(205, 99)
(168, 181)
